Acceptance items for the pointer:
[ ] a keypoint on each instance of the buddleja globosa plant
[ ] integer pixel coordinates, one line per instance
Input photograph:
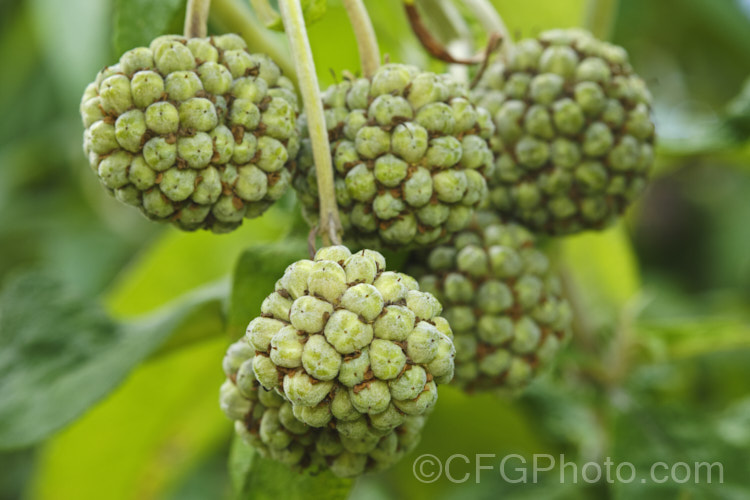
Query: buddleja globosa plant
(354, 351)
(340, 367)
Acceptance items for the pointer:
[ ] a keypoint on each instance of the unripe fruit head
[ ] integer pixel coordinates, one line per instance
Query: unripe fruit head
(409, 152)
(574, 141)
(355, 351)
(503, 304)
(196, 132)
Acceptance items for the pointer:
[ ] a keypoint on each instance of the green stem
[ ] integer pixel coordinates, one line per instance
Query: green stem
(600, 17)
(294, 25)
(235, 16)
(491, 22)
(462, 50)
(367, 42)
(265, 12)
(196, 18)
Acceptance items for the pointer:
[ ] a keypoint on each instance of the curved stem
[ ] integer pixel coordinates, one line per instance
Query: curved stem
(428, 40)
(462, 49)
(235, 16)
(492, 45)
(600, 17)
(311, 242)
(367, 42)
(196, 18)
(294, 24)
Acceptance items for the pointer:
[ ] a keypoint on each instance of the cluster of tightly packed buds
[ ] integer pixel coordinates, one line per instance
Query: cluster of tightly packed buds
(574, 140)
(409, 151)
(266, 421)
(502, 301)
(355, 350)
(198, 132)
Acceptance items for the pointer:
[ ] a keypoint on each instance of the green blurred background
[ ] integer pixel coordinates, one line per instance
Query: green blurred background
(658, 370)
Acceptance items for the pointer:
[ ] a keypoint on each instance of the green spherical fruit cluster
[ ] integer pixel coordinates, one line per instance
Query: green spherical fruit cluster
(574, 140)
(198, 132)
(409, 152)
(501, 300)
(352, 347)
(268, 422)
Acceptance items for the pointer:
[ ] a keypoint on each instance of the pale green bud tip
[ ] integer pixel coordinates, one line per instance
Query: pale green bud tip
(343, 346)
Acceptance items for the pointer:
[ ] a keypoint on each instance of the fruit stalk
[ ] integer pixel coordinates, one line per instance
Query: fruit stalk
(600, 16)
(367, 42)
(196, 18)
(294, 25)
(428, 37)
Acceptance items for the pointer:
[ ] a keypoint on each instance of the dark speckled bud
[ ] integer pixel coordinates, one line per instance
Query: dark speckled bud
(561, 103)
(502, 302)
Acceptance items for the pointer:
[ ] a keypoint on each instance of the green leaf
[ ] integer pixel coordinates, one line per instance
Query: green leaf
(201, 316)
(693, 55)
(313, 10)
(19, 33)
(48, 346)
(601, 278)
(686, 337)
(738, 112)
(137, 22)
(605, 262)
(60, 353)
(16, 468)
(179, 261)
(713, 137)
(467, 424)
(729, 130)
(690, 411)
(528, 18)
(145, 438)
(601, 281)
(254, 277)
(208, 478)
(254, 477)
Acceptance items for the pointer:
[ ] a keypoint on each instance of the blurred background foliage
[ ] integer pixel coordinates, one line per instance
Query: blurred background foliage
(659, 368)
